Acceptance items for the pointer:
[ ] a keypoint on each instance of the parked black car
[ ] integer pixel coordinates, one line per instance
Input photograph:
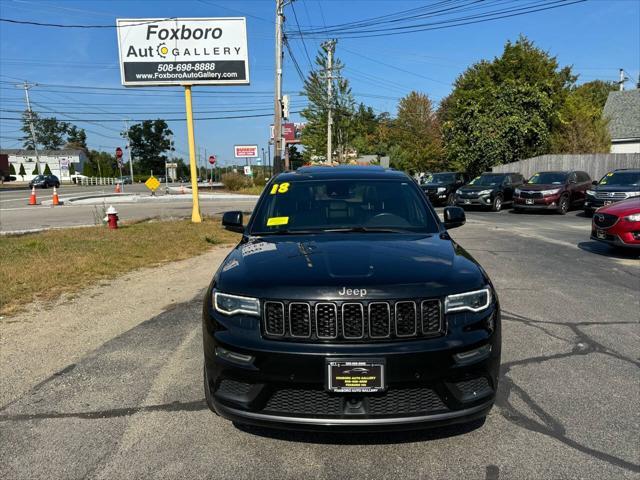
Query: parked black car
(559, 191)
(489, 190)
(613, 187)
(45, 181)
(441, 187)
(347, 305)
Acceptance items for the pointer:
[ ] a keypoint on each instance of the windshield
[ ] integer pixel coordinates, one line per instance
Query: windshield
(548, 178)
(621, 179)
(320, 205)
(487, 180)
(440, 178)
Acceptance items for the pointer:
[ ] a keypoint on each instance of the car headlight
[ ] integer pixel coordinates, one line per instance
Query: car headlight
(550, 192)
(633, 218)
(485, 192)
(591, 193)
(473, 301)
(633, 194)
(232, 304)
(517, 191)
(442, 189)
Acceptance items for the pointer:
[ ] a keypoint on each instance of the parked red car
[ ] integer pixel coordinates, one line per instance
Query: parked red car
(558, 191)
(618, 224)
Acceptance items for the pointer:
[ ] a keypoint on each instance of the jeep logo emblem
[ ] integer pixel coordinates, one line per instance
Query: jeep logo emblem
(358, 292)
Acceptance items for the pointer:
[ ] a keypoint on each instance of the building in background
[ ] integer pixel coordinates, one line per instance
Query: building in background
(623, 111)
(59, 162)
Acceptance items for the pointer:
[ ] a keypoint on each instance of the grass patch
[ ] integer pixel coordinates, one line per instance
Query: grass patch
(254, 190)
(44, 265)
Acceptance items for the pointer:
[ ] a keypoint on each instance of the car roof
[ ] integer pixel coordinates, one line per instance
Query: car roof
(632, 170)
(342, 172)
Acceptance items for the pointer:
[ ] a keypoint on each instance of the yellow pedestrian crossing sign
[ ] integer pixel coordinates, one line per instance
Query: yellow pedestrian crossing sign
(152, 183)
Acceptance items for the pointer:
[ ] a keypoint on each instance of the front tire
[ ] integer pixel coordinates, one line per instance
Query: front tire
(496, 206)
(563, 205)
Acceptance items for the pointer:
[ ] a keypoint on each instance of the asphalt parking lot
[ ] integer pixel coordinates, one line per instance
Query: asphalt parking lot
(122, 396)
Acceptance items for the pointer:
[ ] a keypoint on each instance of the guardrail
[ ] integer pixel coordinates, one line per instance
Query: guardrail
(96, 181)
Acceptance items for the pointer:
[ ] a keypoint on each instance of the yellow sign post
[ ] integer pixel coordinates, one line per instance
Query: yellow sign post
(195, 211)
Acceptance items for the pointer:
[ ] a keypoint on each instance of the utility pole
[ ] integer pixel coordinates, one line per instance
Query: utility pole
(126, 126)
(27, 86)
(277, 114)
(329, 46)
(623, 79)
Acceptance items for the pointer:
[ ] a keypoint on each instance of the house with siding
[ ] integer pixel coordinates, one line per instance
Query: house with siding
(623, 112)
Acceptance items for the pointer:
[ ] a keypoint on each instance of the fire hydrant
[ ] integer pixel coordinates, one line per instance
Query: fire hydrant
(112, 218)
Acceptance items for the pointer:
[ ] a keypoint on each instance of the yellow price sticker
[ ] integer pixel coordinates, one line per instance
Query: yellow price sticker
(610, 174)
(276, 221)
(279, 188)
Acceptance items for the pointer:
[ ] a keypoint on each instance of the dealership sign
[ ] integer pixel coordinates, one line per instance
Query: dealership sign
(193, 51)
(245, 151)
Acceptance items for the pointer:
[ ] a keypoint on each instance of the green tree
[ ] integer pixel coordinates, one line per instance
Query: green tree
(150, 140)
(35, 170)
(76, 138)
(47, 170)
(100, 164)
(505, 110)
(416, 135)
(50, 132)
(22, 172)
(12, 169)
(314, 135)
(72, 168)
(296, 160)
(581, 127)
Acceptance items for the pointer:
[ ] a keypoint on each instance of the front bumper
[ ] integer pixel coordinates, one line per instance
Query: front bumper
(283, 384)
(483, 201)
(544, 203)
(437, 198)
(617, 239)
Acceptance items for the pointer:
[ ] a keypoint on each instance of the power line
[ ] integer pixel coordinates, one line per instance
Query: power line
(61, 25)
(448, 23)
(102, 120)
(304, 44)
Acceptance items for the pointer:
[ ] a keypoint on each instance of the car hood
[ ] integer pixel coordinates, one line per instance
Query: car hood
(434, 185)
(616, 188)
(537, 188)
(475, 188)
(625, 207)
(321, 266)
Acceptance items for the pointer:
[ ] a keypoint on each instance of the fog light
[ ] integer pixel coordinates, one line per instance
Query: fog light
(472, 356)
(233, 356)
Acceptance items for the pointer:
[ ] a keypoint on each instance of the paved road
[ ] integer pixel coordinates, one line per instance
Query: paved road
(123, 398)
(16, 215)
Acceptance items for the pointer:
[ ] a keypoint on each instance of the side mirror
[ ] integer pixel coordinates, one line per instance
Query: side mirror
(595, 182)
(232, 221)
(454, 217)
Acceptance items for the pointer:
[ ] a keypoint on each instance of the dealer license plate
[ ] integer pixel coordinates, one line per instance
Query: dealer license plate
(362, 376)
(529, 201)
(601, 234)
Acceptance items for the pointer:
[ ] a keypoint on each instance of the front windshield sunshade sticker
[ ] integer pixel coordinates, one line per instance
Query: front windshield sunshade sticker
(258, 247)
(279, 188)
(277, 221)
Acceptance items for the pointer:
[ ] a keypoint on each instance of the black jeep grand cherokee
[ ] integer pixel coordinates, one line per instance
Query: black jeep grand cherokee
(346, 305)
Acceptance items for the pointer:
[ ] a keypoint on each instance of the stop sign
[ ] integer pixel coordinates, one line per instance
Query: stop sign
(212, 159)
(118, 152)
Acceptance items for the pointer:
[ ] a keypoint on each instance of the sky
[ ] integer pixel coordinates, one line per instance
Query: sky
(77, 72)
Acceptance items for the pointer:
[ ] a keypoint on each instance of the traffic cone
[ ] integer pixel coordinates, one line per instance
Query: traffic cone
(117, 188)
(32, 197)
(56, 200)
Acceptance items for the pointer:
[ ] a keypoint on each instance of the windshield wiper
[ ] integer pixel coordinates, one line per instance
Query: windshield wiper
(285, 231)
(366, 230)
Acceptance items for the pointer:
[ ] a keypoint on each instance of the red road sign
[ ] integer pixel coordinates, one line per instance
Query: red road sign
(118, 152)
(212, 159)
